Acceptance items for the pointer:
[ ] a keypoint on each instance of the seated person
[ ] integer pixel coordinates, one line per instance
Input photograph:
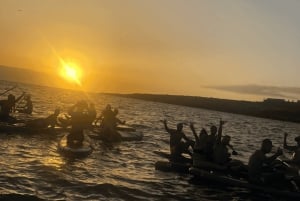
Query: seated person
(44, 122)
(260, 169)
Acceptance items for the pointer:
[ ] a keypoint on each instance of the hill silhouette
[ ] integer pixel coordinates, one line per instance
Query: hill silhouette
(277, 109)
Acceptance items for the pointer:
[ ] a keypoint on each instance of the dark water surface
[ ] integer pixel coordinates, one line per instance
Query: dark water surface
(30, 164)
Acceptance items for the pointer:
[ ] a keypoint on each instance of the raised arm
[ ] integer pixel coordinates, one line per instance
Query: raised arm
(194, 133)
(166, 126)
(220, 130)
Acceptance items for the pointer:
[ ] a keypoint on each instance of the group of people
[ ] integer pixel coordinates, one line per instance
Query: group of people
(216, 149)
(80, 116)
(210, 147)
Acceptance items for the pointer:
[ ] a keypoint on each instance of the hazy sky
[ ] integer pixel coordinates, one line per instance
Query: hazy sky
(191, 47)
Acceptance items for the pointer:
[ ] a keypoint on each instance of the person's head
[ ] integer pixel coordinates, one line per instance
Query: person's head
(56, 111)
(213, 130)
(226, 140)
(297, 139)
(179, 126)
(203, 133)
(266, 145)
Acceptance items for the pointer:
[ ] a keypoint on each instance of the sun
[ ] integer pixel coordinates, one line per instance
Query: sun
(71, 72)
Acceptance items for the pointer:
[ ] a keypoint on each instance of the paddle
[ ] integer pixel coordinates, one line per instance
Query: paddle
(8, 90)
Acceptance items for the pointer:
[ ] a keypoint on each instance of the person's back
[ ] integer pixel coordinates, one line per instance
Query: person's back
(79, 121)
(109, 117)
(255, 164)
(79, 115)
(259, 165)
(199, 146)
(221, 155)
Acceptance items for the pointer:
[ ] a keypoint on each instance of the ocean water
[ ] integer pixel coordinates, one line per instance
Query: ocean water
(31, 165)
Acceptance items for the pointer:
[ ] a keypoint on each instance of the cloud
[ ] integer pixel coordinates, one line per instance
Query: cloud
(269, 91)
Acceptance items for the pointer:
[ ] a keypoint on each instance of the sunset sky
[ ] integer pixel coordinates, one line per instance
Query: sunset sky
(234, 49)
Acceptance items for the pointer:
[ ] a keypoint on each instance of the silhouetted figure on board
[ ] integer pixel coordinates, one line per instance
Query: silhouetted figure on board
(260, 169)
(7, 106)
(179, 143)
(51, 121)
(28, 106)
(79, 122)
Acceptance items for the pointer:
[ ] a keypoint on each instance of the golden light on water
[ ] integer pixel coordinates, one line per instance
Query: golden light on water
(71, 72)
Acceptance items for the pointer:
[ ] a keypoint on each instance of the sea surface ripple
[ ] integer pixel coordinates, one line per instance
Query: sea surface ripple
(30, 165)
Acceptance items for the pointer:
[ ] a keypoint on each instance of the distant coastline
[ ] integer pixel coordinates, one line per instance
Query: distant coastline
(277, 109)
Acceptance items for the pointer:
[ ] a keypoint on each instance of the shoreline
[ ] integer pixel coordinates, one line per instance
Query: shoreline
(276, 109)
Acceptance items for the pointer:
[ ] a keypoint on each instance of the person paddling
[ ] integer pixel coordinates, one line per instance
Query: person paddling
(260, 168)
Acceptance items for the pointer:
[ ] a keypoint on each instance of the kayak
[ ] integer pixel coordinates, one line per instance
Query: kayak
(225, 179)
(77, 151)
(125, 135)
